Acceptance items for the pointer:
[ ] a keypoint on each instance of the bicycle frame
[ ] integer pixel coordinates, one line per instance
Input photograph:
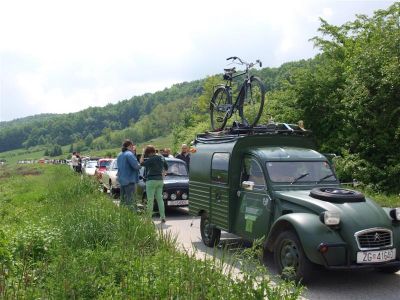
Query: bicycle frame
(241, 95)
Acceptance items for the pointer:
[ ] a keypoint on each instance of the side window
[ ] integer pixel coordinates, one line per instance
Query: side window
(219, 168)
(252, 171)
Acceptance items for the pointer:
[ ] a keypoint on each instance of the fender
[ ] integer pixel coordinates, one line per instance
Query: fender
(396, 231)
(311, 233)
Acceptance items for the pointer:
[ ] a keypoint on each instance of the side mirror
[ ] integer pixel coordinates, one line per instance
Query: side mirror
(248, 185)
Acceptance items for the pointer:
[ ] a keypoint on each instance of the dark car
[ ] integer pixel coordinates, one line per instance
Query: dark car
(176, 184)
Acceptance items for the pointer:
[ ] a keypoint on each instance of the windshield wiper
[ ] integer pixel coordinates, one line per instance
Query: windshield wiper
(300, 177)
(325, 177)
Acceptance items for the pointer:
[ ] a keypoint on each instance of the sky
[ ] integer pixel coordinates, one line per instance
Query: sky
(61, 56)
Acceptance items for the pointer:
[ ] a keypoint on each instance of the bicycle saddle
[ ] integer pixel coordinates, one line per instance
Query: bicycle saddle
(231, 71)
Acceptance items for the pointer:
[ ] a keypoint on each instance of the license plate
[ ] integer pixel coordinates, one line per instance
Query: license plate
(178, 202)
(376, 256)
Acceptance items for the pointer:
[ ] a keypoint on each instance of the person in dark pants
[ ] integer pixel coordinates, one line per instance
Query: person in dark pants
(127, 174)
(184, 155)
(155, 167)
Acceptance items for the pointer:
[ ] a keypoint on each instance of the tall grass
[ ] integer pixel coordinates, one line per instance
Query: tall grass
(61, 238)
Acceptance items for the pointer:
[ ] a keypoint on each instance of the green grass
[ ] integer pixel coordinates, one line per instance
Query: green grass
(60, 238)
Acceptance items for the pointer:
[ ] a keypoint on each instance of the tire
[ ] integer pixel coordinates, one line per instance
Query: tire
(220, 106)
(251, 104)
(337, 195)
(209, 233)
(389, 270)
(289, 253)
(113, 193)
(104, 188)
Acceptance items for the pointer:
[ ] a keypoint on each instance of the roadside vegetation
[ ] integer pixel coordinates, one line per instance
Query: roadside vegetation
(60, 238)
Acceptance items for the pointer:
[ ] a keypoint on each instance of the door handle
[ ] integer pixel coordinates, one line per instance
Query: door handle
(218, 197)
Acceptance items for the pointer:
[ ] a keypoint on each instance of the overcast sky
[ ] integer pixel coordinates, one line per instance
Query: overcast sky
(64, 56)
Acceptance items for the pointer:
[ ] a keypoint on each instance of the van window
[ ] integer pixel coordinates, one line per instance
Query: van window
(219, 167)
(252, 171)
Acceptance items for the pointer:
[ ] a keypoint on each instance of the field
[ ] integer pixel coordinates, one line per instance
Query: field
(61, 238)
(35, 153)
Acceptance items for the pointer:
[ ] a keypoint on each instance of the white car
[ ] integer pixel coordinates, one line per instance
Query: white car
(110, 181)
(90, 167)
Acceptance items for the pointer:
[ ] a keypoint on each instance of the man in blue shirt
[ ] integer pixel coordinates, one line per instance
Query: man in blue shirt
(127, 174)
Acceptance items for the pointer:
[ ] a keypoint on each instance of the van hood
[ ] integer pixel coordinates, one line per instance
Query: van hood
(355, 215)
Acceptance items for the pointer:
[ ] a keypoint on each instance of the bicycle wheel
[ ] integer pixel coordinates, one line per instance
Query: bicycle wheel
(220, 106)
(252, 101)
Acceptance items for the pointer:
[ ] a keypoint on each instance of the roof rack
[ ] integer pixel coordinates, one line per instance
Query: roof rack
(239, 130)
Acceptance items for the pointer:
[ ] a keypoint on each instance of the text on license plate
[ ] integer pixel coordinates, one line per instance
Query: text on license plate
(376, 256)
(178, 202)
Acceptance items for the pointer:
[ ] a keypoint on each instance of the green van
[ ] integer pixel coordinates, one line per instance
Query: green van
(270, 182)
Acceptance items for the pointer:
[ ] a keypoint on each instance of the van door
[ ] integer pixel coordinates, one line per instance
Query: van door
(254, 207)
(219, 190)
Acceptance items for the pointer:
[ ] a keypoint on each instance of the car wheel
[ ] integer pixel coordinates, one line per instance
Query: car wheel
(105, 189)
(290, 259)
(337, 195)
(391, 269)
(209, 233)
(113, 193)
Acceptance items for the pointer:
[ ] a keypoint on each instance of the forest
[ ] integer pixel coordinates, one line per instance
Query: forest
(348, 95)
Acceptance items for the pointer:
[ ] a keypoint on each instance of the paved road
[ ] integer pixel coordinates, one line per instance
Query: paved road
(324, 284)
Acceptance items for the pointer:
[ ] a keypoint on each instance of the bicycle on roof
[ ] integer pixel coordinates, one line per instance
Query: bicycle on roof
(249, 102)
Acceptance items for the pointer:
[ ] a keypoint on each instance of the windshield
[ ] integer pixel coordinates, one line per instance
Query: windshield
(91, 164)
(176, 169)
(105, 163)
(300, 171)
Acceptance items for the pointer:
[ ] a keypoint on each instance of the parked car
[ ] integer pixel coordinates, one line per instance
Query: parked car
(89, 167)
(101, 166)
(109, 179)
(270, 182)
(176, 184)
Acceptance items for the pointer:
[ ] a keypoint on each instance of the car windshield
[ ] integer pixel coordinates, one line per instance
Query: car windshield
(300, 171)
(91, 164)
(105, 163)
(176, 169)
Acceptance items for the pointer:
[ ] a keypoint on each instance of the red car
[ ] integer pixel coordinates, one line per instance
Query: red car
(101, 167)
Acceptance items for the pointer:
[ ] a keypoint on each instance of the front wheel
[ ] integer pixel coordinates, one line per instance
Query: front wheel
(209, 233)
(220, 107)
(252, 101)
(290, 259)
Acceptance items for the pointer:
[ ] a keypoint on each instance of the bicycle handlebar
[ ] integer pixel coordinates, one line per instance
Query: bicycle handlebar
(242, 62)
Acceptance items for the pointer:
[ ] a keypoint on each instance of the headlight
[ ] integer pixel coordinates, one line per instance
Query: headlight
(173, 197)
(330, 218)
(184, 196)
(165, 195)
(395, 214)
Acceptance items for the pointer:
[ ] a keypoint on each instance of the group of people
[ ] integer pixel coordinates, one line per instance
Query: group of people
(76, 162)
(156, 166)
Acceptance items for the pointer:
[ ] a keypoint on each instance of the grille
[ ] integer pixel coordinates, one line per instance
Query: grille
(374, 239)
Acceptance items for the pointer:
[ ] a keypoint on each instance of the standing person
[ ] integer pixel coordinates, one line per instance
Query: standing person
(78, 167)
(127, 173)
(155, 167)
(184, 155)
(74, 161)
(167, 153)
